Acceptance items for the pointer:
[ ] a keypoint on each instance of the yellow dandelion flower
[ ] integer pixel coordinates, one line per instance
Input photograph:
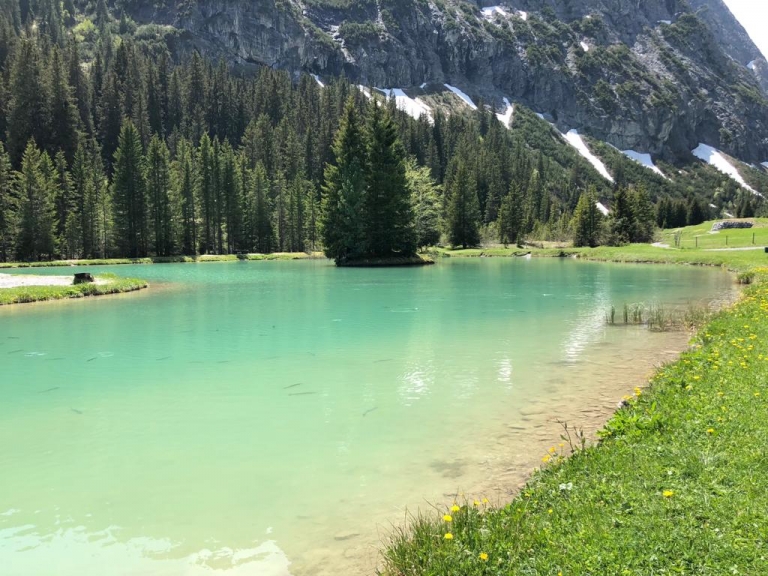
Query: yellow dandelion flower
(485, 500)
(476, 503)
(638, 392)
(668, 493)
(552, 450)
(545, 459)
(455, 508)
(448, 518)
(757, 394)
(710, 430)
(448, 536)
(549, 511)
(483, 556)
(697, 377)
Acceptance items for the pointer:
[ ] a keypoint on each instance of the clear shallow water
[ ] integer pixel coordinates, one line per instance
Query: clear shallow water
(274, 417)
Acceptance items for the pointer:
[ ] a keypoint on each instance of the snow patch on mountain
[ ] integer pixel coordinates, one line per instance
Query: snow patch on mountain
(491, 11)
(574, 139)
(414, 107)
(645, 160)
(603, 210)
(523, 15)
(461, 95)
(584, 46)
(752, 65)
(716, 158)
(317, 79)
(506, 117)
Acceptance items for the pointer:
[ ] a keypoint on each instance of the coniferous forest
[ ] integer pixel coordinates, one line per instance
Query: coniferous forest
(113, 149)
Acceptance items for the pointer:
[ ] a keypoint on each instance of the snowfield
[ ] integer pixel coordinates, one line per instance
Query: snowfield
(716, 158)
(645, 160)
(603, 210)
(414, 107)
(506, 117)
(574, 139)
(461, 95)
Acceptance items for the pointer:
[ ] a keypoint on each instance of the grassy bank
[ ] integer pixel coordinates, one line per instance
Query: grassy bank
(113, 285)
(634, 253)
(390, 262)
(167, 260)
(678, 483)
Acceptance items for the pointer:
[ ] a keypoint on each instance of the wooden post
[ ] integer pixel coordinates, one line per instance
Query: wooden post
(753, 238)
(697, 241)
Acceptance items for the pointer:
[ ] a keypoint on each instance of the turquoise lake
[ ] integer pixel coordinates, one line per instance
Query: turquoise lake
(275, 418)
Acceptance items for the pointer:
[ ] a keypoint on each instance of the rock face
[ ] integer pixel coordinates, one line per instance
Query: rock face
(655, 76)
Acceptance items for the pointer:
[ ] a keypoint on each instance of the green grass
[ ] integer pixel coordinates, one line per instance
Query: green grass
(25, 294)
(737, 261)
(166, 260)
(678, 483)
(701, 236)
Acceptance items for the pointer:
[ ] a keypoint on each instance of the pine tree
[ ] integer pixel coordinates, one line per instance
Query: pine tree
(644, 215)
(185, 179)
(512, 216)
(28, 111)
(259, 214)
(37, 191)
(586, 222)
(63, 130)
(8, 207)
(207, 190)
(159, 197)
(464, 208)
(129, 194)
(344, 190)
(623, 219)
(387, 210)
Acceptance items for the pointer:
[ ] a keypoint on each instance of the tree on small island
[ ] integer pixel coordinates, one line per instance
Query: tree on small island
(367, 212)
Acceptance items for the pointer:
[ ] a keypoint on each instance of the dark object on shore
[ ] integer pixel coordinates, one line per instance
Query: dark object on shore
(731, 224)
(83, 278)
(766, 249)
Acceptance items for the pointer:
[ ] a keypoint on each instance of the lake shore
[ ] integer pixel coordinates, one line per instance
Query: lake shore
(672, 471)
(23, 289)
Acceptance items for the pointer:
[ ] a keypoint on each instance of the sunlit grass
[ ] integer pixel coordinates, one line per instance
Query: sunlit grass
(113, 285)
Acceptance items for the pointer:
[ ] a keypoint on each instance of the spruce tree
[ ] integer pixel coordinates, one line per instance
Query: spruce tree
(159, 197)
(8, 207)
(28, 111)
(63, 130)
(129, 194)
(464, 208)
(586, 222)
(37, 212)
(344, 190)
(512, 216)
(387, 210)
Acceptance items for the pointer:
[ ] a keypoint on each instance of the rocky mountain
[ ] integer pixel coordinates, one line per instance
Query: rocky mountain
(651, 76)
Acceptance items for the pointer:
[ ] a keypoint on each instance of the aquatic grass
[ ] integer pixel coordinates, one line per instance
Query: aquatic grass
(114, 285)
(660, 318)
(676, 484)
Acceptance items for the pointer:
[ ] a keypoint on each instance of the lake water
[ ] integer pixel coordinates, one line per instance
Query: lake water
(275, 418)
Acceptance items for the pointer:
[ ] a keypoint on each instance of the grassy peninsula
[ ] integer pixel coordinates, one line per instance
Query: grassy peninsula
(676, 483)
(105, 284)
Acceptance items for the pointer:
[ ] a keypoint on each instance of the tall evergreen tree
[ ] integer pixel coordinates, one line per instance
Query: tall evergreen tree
(37, 191)
(512, 216)
(464, 208)
(63, 130)
(587, 221)
(159, 194)
(345, 180)
(28, 112)
(129, 194)
(8, 207)
(387, 209)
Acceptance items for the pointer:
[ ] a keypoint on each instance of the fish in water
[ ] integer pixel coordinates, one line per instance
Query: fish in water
(49, 390)
(76, 411)
(302, 393)
(223, 361)
(13, 337)
(163, 358)
(15, 351)
(384, 360)
(91, 359)
(292, 386)
(370, 410)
